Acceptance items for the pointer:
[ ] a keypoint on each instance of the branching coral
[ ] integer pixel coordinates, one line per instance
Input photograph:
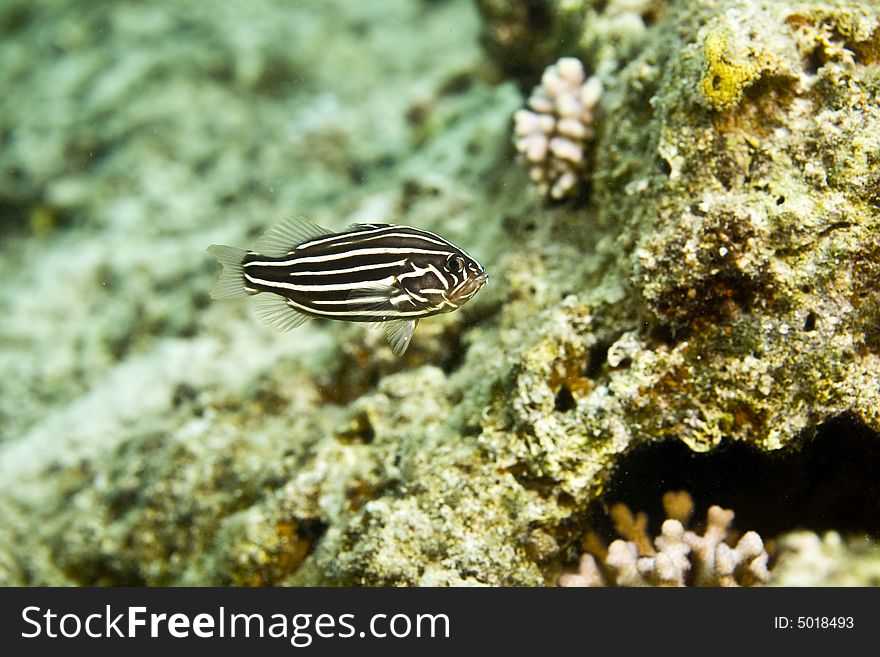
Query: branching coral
(678, 556)
(554, 134)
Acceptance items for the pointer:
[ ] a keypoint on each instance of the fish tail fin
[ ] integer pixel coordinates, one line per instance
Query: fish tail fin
(230, 285)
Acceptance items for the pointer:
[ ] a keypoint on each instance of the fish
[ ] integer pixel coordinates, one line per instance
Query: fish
(388, 275)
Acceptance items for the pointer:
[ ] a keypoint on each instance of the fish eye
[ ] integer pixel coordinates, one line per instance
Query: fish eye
(455, 264)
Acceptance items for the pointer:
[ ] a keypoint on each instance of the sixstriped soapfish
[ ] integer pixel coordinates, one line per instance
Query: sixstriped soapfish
(380, 273)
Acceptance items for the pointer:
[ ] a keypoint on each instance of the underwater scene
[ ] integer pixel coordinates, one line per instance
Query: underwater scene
(440, 293)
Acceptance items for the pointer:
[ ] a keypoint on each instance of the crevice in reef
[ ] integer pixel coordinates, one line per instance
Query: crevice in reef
(826, 481)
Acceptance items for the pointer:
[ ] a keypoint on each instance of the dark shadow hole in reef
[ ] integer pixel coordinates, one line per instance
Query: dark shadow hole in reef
(564, 400)
(313, 529)
(359, 430)
(810, 322)
(598, 357)
(825, 481)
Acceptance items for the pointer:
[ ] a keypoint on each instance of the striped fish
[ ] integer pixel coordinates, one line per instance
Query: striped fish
(380, 273)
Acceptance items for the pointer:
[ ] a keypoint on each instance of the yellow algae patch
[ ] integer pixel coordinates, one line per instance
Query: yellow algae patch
(729, 70)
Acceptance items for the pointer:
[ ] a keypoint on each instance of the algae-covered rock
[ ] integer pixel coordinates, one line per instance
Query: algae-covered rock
(746, 292)
(755, 267)
(715, 285)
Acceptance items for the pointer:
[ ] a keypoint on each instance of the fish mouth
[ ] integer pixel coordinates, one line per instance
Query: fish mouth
(470, 287)
(476, 283)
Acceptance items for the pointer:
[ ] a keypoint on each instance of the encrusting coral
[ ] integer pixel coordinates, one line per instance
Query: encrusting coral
(678, 556)
(554, 134)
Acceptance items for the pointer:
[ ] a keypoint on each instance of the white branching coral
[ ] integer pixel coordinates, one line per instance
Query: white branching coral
(678, 556)
(554, 133)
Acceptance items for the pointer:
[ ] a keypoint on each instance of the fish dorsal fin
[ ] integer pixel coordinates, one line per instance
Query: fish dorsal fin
(367, 226)
(231, 282)
(400, 332)
(283, 237)
(275, 311)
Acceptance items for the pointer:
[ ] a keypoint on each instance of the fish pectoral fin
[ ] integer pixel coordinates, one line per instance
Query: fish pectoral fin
(377, 299)
(276, 311)
(284, 236)
(374, 297)
(400, 332)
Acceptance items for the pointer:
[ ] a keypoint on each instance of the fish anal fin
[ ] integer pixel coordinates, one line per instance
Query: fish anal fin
(284, 236)
(230, 285)
(275, 311)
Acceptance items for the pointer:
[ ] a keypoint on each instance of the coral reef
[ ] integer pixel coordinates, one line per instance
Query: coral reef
(554, 133)
(717, 288)
(722, 242)
(677, 556)
(719, 292)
